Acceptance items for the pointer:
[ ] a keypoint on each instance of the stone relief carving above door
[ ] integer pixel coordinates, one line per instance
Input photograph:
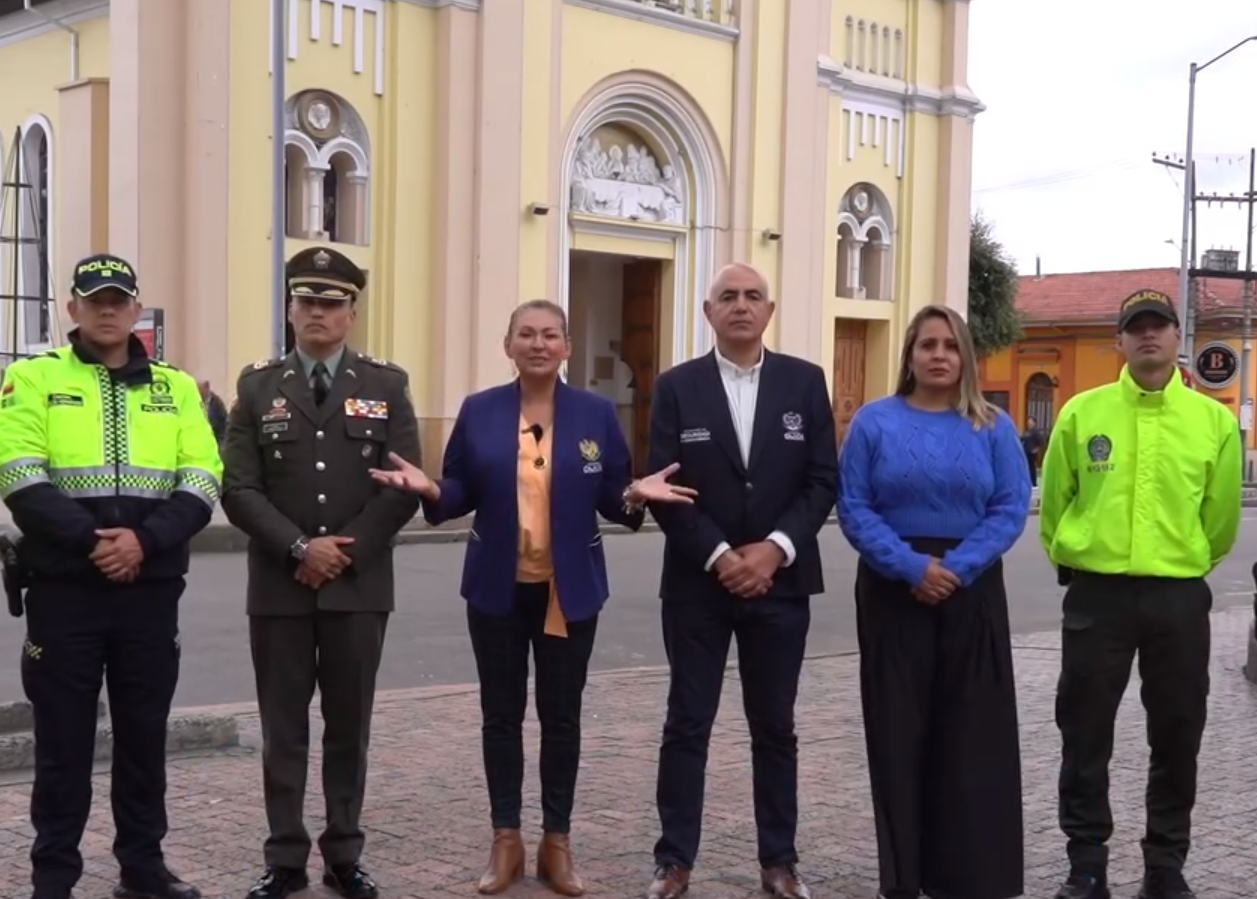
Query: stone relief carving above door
(624, 180)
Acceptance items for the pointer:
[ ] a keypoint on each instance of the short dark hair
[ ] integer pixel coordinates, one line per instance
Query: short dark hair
(543, 305)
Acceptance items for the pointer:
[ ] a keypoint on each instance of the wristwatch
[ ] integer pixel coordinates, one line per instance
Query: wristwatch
(299, 548)
(624, 497)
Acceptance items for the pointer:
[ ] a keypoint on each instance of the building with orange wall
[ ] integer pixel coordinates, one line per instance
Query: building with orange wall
(1070, 323)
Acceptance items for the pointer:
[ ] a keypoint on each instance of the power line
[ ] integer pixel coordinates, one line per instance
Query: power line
(1059, 177)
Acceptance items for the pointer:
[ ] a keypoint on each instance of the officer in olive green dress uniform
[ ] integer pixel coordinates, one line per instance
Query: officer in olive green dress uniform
(301, 438)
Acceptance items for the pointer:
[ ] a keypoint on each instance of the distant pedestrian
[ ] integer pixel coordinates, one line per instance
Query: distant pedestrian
(1140, 500)
(753, 431)
(1033, 442)
(109, 468)
(536, 462)
(303, 435)
(215, 410)
(934, 491)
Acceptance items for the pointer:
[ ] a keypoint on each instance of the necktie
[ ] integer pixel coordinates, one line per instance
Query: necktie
(319, 376)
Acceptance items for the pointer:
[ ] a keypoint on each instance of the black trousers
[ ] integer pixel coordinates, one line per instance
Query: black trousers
(940, 725)
(772, 638)
(1107, 619)
(501, 644)
(339, 652)
(79, 638)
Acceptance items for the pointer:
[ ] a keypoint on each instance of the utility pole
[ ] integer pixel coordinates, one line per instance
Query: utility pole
(1187, 247)
(1247, 329)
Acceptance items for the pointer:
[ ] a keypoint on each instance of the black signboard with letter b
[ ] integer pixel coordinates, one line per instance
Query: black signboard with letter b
(1217, 364)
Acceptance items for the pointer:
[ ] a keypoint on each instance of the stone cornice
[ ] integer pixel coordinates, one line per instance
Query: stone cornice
(473, 5)
(891, 92)
(630, 9)
(22, 25)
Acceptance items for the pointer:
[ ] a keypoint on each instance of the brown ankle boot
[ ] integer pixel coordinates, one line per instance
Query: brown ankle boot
(506, 862)
(554, 865)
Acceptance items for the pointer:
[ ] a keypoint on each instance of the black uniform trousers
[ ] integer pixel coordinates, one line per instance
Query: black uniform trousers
(940, 726)
(339, 652)
(772, 639)
(501, 644)
(78, 638)
(1107, 619)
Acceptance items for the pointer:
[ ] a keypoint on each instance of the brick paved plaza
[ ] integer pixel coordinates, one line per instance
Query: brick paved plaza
(427, 813)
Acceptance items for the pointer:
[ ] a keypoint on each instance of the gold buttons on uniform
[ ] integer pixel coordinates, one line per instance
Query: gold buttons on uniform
(322, 498)
(319, 435)
(320, 466)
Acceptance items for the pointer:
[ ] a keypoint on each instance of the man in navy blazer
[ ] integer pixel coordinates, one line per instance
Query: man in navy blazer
(753, 432)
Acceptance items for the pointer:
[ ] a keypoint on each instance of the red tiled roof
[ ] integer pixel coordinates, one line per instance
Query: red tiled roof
(1096, 296)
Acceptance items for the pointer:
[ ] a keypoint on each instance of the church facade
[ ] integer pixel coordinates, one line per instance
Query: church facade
(470, 155)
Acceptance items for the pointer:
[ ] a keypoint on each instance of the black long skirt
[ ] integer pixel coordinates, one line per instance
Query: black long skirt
(940, 723)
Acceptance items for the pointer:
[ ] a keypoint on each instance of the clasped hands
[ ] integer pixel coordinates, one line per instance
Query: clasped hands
(324, 561)
(937, 584)
(747, 572)
(118, 554)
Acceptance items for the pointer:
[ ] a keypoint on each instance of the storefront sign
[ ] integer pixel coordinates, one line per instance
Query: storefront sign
(1217, 364)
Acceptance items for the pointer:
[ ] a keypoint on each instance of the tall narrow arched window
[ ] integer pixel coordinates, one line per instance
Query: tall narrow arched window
(329, 181)
(848, 58)
(874, 46)
(886, 51)
(861, 45)
(898, 54)
(35, 309)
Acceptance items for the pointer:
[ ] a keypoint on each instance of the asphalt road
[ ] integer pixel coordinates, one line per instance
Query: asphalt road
(427, 639)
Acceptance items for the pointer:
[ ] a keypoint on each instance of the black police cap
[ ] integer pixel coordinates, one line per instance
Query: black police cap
(323, 272)
(1150, 302)
(104, 272)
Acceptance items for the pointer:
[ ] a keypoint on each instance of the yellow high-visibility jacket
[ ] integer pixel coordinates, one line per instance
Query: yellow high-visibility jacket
(83, 448)
(1141, 483)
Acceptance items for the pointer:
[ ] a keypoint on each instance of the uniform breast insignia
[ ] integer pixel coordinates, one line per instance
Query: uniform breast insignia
(279, 411)
(355, 408)
(1099, 449)
(592, 454)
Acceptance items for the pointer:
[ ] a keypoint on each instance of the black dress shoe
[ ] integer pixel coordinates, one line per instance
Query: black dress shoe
(161, 884)
(1084, 885)
(351, 881)
(277, 883)
(1165, 883)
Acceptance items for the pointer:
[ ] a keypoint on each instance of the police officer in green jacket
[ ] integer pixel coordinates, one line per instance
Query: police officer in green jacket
(109, 467)
(1140, 499)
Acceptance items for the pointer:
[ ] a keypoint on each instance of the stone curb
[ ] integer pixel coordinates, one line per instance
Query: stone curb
(190, 731)
(221, 537)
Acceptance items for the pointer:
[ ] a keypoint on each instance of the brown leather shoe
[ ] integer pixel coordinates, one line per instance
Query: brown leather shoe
(671, 882)
(784, 882)
(506, 862)
(554, 865)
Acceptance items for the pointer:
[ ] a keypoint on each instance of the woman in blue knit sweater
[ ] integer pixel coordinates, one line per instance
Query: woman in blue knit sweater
(933, 491)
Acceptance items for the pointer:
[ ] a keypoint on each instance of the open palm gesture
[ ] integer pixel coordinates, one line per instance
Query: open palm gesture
(656, 489)
(405, 477)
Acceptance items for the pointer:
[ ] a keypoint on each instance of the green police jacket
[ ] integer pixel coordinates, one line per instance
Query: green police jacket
(84, 448)
(1141, 483)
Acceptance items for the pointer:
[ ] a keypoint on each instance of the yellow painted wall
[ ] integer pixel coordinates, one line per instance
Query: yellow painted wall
(30, 72)
(597, 45)
(399, 127)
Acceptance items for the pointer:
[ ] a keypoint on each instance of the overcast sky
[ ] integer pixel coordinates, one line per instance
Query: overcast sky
(1080, 94)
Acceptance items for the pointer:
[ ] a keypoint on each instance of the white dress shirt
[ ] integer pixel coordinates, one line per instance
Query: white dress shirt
(742, 390)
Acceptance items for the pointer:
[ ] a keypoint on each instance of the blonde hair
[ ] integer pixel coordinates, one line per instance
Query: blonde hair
(969, 402)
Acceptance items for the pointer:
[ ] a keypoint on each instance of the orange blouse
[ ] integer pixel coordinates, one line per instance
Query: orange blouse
(535, 564)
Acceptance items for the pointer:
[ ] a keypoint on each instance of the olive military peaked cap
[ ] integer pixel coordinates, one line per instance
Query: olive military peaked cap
(323, 272)
(1153, 302)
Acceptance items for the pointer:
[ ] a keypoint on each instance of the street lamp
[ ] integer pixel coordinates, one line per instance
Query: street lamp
(279, 229)
(1189, 190)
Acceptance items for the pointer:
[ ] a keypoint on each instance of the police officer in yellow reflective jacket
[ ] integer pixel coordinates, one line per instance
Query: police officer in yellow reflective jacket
(109, 467)
(1140, 499)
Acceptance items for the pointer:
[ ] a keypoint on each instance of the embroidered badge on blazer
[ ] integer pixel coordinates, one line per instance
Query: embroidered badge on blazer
(592, 454)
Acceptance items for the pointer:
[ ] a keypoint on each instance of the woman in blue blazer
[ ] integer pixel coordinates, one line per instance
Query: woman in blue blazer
(536, 462)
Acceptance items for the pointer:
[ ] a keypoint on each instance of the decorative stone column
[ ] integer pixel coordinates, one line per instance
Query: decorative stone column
(82, 221)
